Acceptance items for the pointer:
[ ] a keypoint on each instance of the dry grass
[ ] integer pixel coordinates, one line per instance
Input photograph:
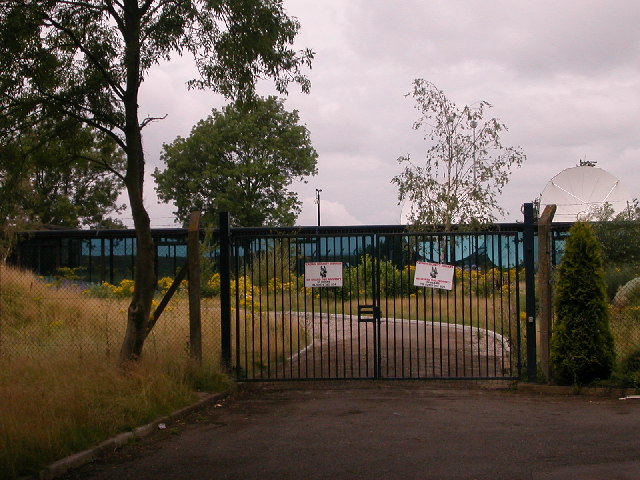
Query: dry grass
(267, 340)
(60, 388)
(495, 312)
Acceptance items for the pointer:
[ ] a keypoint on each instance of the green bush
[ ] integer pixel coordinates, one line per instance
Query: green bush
(630, 369)
(582, 343)
(617, 276)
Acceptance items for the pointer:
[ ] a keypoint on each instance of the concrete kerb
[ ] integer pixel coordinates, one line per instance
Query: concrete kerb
(611, 392)
(79, 459)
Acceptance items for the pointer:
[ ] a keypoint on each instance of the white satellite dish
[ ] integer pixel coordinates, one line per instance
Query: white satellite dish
(578, 191)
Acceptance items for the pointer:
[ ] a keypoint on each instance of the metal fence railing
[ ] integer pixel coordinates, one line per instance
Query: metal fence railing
(66, 293)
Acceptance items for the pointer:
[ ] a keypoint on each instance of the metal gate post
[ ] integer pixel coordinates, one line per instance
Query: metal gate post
(225, 289)
(530, 290)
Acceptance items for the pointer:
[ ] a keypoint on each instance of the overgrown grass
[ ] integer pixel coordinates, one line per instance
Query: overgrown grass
(60, 387)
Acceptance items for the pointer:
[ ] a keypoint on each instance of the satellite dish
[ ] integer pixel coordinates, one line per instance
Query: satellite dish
(579, 191)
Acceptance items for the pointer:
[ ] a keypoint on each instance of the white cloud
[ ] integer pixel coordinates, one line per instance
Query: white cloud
(331, 213)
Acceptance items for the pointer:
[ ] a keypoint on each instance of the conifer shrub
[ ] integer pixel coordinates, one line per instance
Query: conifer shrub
(582, 343)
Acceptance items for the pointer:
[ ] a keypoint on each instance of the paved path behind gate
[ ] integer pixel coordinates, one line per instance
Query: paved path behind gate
(341, 347)
(406, 430)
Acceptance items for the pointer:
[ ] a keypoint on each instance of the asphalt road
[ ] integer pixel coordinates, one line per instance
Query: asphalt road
(389, 430)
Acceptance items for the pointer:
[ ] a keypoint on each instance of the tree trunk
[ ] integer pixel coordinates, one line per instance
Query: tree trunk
(139, 312)
(145, 277)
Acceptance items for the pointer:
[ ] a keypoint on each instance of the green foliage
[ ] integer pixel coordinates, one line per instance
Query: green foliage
(617, 276)
(582, 347)
(619, 234)
(394, 282)
(630, 369)
(241, 160)
(62, 174)
(466, 166)
(88, 60)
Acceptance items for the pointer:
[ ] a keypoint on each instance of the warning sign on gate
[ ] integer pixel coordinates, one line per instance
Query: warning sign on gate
(434, 275)
(323, 274)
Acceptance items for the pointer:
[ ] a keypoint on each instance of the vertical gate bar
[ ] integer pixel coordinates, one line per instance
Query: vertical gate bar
(464, 330)
(286, 313)
(306, 316)
(320, 312)
(517, 308)
(408, 333)
(328, 338)
(313, 313)
(395, 334)
(375, 281)
(388, 258)
(486, 308)
(511, 277)
(350, 299)
(344, 345)
(283, 327)
(473, 312)
(236, 269)
(455, 329)
(493, 310)
(454, 239)
(225, 290)
(367, 281)
(296, 258)
(249, 339)
(356, 284)
(260, 316)
(336, 317)
(271, 251)
(358, 273)
(501, 303)
(500, 311)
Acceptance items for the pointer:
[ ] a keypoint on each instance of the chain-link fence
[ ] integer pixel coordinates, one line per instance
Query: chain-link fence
(76, 301)
(68, 294)
(620, 245)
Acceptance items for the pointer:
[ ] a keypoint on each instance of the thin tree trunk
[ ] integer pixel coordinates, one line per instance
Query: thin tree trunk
(139, 312)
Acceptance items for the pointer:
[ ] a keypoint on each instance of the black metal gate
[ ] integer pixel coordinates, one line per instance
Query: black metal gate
(374, 322)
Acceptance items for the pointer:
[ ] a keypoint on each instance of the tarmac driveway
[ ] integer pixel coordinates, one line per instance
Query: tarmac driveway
(391, 430)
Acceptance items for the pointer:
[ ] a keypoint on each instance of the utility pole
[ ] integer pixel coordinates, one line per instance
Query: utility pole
(318, 202)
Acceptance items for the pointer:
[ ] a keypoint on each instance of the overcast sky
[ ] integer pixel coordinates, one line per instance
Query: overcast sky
(564, 76)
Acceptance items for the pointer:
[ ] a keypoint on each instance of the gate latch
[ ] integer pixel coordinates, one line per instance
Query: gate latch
(371, 313)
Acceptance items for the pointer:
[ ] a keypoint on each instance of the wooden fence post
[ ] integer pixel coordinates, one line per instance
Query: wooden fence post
(544, 286)
(530, 290)
(193, 261)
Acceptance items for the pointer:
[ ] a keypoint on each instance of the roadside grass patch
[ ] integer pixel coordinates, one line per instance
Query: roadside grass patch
(61, 390)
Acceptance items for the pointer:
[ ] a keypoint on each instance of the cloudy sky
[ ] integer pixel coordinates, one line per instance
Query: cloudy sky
(564, 76)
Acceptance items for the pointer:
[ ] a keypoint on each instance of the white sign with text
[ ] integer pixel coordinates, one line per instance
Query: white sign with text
(323, 274)
(434, 275)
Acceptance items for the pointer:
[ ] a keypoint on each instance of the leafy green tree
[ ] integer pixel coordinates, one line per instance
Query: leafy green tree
(618, 233)
(241, 160)
(62, 175)
(465, 166)
(582, 347)
(88, 60)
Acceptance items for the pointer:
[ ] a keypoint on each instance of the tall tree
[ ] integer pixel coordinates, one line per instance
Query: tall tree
(465, 166)
(241, 160)
(88, 59)
(618, 233)
(62, 174)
